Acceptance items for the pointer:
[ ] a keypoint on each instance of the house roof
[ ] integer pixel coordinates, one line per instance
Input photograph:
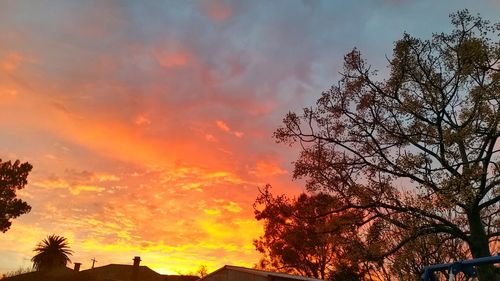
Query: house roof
(264, 273)
(180, 278)
(120, 272)
(123, 272)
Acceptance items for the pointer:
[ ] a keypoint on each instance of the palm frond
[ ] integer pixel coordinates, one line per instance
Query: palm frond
(52, 252)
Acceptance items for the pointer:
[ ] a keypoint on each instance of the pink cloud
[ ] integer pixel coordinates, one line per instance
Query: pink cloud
(168, 59)
(217, 10)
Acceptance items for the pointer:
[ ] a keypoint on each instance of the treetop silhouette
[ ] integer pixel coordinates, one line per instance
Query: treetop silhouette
(53, 252)
(13, 176)
(416, 150)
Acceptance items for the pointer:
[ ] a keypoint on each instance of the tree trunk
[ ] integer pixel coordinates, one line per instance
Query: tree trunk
(478, 243)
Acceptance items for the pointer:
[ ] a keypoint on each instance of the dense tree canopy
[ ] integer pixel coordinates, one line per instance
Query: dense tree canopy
(53, 252)
(417, 151)
(13, 176)
(299, 239)
(303, 236)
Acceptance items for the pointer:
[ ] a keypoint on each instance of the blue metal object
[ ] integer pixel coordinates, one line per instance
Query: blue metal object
(466, 266)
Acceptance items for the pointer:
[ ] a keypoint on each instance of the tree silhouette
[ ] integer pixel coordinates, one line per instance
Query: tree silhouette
(418, 149)
(52, 252)
(202, 271)
(13, 176)
(299, 239)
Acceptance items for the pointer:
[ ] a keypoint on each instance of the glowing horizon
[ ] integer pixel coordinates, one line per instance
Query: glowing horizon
(149, 125)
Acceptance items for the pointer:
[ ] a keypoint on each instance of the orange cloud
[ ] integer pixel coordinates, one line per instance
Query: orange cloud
(210, 137)
(145, 174)
(212, 212)
(232, 207)
(73, 189)
(225, 128)
(267, 168)
(142, 120)
(222, 125)
(102, 177)
(11, 61)
(121, 144)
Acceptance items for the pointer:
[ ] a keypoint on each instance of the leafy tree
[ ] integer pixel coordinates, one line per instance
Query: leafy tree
(418, 149)
(299, 239)
(53, 252)
(13, 176)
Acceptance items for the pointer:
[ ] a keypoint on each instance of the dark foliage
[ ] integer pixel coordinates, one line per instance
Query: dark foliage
(53, 252)
(13, 176)
(302, 236)
(418, 150)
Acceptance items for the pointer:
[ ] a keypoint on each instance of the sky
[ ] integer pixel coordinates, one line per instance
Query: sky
(149, 123)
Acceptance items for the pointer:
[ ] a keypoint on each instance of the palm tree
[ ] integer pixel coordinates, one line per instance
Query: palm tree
(52, 252)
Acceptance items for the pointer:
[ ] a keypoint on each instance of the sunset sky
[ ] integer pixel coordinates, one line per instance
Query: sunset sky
(149, 123)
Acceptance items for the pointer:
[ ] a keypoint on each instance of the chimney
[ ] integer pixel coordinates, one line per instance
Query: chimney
(135, 269)
(77, 266)
(137, 261)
